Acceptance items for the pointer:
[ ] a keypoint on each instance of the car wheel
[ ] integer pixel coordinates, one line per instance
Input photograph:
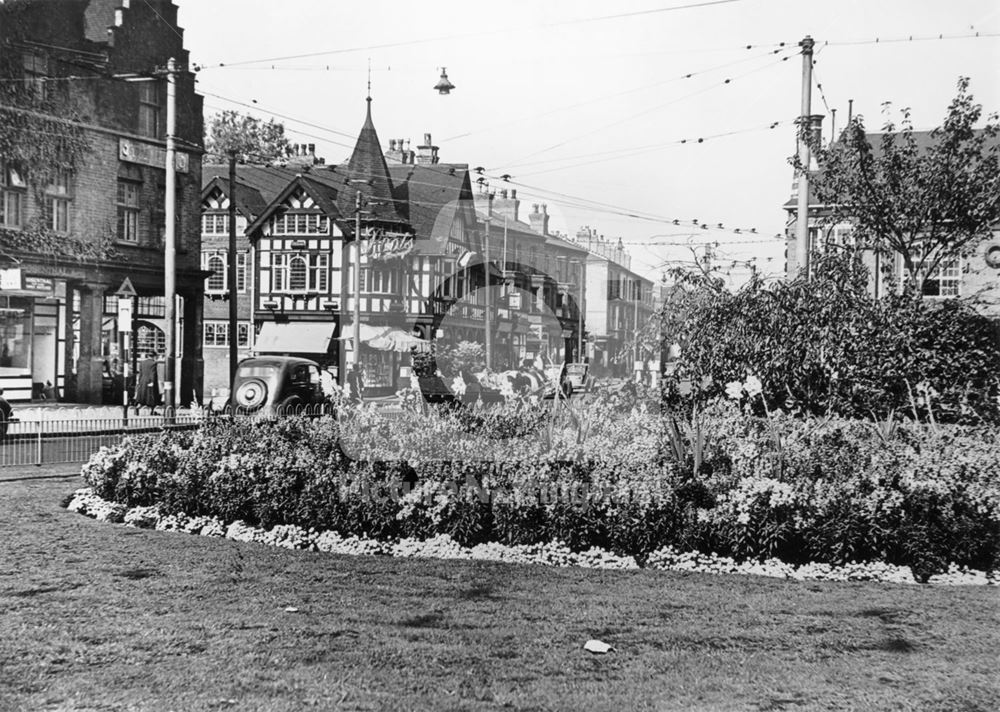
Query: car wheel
(251, 394)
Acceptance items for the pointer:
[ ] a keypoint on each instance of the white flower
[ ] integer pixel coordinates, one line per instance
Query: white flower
(753, 386)
(734, 389)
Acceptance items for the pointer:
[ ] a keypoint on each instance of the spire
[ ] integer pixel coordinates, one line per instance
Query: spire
(368, 172)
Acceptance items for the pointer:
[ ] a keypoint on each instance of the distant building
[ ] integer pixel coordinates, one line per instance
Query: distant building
(82, 193)
(619, 304)
(977, 275)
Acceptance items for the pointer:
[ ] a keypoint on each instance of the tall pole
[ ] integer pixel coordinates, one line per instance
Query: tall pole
(804, 129)
(635, 321)
(170, 248)
(486, 311)
(233, 311)
(579, 316)
(357, 280)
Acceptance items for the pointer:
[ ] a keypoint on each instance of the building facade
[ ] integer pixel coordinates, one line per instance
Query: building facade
(82, 195)
(976, 275)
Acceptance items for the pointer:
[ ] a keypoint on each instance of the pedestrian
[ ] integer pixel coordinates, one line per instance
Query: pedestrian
(5, 414)
(147, 384)
(356, 384)
(473, 389)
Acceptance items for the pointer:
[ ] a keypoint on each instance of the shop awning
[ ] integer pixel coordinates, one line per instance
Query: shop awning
(294, 337)
(386, 338)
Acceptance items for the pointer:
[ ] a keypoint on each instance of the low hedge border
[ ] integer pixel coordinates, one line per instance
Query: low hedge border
(442, 546)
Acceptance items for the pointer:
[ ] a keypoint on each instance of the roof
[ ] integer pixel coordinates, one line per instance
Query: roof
(249, 202)
(268, 181)
(324, 195)
(367, 173)
(923, 140)
(434, 197)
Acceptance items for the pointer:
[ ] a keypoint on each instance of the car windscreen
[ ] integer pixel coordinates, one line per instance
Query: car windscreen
(266, 371)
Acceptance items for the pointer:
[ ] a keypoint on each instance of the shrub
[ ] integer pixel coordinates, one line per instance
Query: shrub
(828, 490)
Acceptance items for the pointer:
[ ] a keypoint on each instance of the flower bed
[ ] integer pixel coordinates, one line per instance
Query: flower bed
(633, 483)
(443, 546)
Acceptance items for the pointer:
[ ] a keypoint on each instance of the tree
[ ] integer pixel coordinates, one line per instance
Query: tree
(928, 197)
(253, 140)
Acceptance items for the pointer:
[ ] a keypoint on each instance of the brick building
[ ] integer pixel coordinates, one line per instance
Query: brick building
(82, 192)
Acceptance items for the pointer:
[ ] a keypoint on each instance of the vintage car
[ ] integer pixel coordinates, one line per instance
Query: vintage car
(282, 384)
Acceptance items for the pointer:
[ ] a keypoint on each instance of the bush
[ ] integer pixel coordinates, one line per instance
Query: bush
(827, 347)
(828, 490)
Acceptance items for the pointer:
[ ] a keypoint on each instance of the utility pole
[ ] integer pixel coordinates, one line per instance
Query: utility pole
(635, 321)
(486, 310)
(357, 280)
(579, 315)
(804, 131)
(233, 311)
(170, 248)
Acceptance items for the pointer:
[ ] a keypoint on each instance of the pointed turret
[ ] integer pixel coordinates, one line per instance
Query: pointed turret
(367, 171)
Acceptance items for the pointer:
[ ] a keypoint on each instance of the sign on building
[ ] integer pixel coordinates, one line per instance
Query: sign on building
(147, 154)
(383, 245)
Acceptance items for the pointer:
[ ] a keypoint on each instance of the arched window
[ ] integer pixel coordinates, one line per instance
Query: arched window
(297, 273)
(217, 282)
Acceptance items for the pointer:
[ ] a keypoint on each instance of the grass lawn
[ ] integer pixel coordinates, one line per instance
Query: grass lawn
(103, 617)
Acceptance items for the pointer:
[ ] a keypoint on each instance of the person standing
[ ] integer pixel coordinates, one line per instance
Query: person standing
(147, 384)
(356, 384)
(5, 413)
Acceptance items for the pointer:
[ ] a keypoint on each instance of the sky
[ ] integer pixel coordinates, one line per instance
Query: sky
(623, 116)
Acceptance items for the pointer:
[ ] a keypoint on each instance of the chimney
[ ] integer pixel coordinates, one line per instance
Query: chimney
(508, 205)
(539, 220)
(815, 139)
(303, 156)
(427, 154)
(395, 153)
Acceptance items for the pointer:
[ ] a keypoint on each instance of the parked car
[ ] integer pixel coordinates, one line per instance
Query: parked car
(281, 383)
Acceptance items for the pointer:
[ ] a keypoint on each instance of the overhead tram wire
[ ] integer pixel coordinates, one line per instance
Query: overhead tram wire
(606, 97)
(629, 153)
(467, 35)
(636, 115)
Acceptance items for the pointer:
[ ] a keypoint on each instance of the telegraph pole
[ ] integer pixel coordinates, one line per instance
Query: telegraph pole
(486, 311)
(170, 247)
(579, 315)
(233, 311)
(357, 280)
(804, 130)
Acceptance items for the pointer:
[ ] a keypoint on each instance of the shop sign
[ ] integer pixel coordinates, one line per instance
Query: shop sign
(10, 279)
(383, 245)
(124, 314)
(147, 154)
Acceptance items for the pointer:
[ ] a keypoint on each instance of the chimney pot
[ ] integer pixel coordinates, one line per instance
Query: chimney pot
(312, 149)
(513, 193)
(427, 139)
(392, 144)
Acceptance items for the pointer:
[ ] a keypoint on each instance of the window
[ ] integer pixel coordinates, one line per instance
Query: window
(217, 334)
(216, 262)
(57, 197)
(36, 69)
(215, 224)
(12, 195)
(149, 109)
(382, 281)
(241, 271)
(299, 272)
(128, 211)
(301, 224)
(945, 280)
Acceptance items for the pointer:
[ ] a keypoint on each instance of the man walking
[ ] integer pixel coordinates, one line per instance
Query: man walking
(147, 385)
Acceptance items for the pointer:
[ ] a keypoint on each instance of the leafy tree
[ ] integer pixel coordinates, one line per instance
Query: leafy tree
(825, 346)
(253, 140)
(926, 197)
